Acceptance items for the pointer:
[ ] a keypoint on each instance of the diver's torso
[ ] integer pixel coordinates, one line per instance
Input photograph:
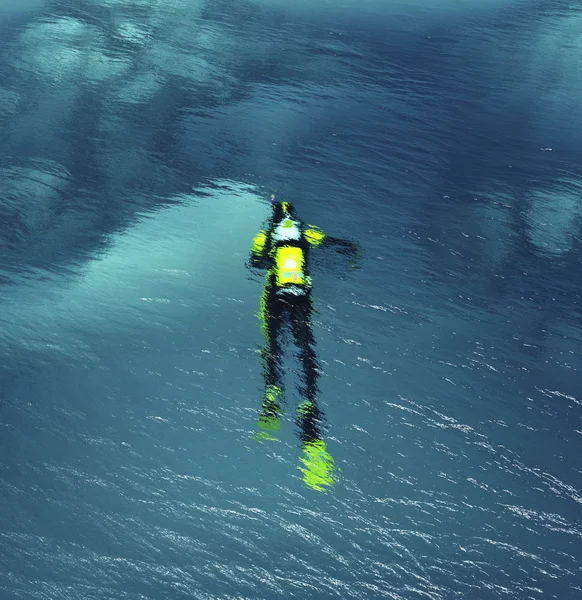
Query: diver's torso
(289, 253)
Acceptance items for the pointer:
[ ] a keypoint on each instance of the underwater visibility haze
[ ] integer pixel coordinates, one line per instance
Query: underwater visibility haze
(172, 425)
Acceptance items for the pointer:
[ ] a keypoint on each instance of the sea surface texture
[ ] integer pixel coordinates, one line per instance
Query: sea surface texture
(140, 142)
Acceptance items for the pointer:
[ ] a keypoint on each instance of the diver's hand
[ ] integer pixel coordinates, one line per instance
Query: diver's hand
(355, 256)
(353, 252)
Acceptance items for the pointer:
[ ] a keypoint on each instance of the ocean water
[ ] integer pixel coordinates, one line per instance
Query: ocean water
(140, 141)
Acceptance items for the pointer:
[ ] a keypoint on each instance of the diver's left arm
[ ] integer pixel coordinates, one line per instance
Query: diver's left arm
(350, 249)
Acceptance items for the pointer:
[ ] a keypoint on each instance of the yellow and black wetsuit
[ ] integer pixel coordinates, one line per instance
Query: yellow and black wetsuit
(282, 248)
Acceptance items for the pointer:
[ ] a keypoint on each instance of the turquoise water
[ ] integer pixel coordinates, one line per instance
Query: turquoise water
(140, 143)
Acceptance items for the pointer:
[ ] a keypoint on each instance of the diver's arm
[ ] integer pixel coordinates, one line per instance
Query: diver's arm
(352, 250)
(341, 246)
(258, 257)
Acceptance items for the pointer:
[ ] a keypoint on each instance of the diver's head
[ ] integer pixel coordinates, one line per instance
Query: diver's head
(281, 210)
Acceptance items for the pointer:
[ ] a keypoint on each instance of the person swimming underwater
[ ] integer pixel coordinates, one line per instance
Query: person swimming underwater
(282, 249)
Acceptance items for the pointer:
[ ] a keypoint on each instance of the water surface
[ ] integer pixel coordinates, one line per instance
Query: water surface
(140, 143)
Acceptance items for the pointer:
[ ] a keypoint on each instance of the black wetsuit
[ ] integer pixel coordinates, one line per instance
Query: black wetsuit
(283, 249)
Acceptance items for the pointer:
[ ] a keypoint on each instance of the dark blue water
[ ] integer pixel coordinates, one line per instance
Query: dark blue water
(140, 141)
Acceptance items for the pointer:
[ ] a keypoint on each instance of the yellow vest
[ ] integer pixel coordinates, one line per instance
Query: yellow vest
(289, 265)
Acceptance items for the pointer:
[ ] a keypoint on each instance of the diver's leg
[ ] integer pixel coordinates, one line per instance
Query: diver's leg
(303, 334)
(309, 414)
(270, 316)
(317, 464)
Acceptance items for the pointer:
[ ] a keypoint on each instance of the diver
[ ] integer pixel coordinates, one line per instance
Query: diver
(282, 249)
